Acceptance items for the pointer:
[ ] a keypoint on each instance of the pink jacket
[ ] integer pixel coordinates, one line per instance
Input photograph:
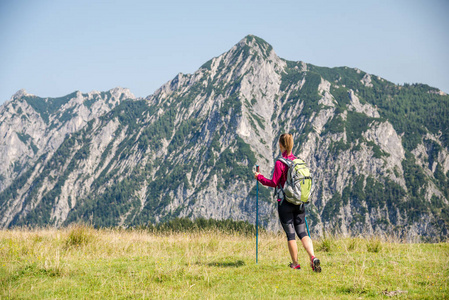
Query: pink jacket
(279, 175)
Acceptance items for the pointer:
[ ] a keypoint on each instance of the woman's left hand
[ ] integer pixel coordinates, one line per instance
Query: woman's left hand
(256, 174)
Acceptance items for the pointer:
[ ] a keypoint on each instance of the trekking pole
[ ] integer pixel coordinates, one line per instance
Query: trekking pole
(257, 217)
(307, 225)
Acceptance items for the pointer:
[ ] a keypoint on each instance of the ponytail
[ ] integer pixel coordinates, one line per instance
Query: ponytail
(286, 141)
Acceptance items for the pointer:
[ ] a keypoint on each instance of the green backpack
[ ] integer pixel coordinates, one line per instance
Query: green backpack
(299, 185)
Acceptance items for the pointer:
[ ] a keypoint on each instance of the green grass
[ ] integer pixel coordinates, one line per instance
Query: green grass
(85, 263)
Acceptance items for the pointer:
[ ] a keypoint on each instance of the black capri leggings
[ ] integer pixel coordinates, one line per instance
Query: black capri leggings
(292, 219)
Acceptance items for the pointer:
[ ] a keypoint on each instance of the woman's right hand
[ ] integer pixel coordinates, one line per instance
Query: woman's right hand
(256, 174)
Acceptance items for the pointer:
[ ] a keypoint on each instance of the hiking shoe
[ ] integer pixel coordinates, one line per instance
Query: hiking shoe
(315, 264)
(297, 267)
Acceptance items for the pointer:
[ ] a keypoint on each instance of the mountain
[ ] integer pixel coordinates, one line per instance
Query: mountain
(378, 151)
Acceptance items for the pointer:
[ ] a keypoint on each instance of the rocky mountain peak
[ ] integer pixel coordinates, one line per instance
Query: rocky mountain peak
(252, 62)
(122, 92)
(19, 94)
(256, 44)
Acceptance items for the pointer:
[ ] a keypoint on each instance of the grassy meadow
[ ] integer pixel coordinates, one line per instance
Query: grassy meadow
(81, 262)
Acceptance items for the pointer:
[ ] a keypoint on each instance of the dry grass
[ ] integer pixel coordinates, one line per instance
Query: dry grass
(81, 262)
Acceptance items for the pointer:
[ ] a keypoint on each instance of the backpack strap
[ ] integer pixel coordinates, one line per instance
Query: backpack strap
(279, 188)
(286, 161)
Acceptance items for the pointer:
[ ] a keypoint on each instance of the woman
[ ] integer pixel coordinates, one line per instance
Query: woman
(291, 216)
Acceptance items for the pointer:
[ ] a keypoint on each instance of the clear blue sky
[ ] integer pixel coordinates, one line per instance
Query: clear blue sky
(52, 48)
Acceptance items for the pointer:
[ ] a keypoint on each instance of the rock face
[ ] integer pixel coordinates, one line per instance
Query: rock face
(189, 150)
(32, 126)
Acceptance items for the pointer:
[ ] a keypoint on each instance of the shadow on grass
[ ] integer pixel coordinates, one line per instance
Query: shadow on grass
(225, 264)
(354, 290)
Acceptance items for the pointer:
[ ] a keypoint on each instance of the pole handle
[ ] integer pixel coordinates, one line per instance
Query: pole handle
(257, 168)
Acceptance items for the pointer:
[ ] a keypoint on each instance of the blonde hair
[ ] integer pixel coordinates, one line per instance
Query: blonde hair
(286, 140)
